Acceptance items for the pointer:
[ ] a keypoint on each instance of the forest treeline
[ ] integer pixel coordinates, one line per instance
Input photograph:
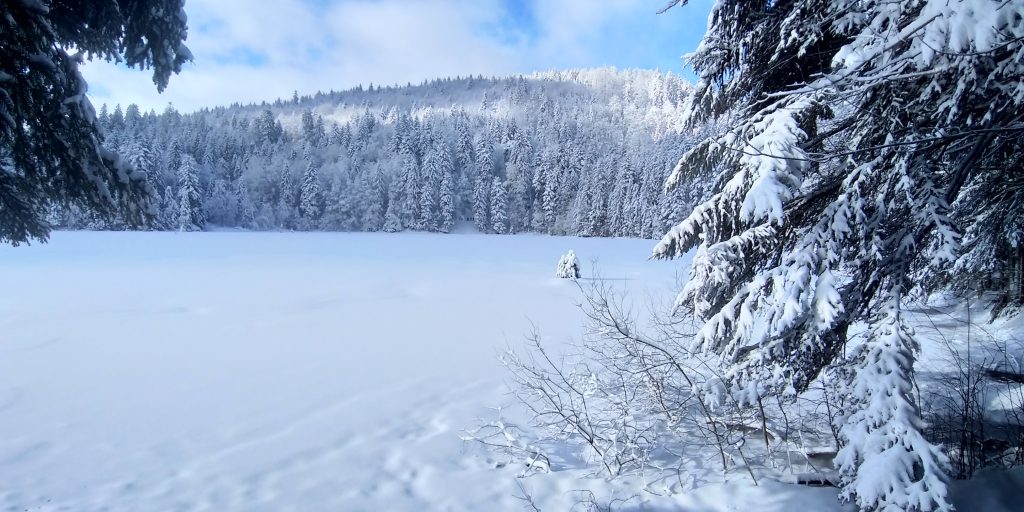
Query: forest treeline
(582, 152)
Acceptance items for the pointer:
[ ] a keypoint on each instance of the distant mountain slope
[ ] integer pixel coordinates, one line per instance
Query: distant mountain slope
(569, 152)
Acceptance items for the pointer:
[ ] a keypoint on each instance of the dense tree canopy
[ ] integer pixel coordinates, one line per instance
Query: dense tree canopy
(51, 150)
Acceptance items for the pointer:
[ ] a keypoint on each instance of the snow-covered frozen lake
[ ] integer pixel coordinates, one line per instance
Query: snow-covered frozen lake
(273, 371)
(234, 371)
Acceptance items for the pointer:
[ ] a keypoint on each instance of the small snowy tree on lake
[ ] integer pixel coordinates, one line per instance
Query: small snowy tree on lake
(190, 207)
(568, 266)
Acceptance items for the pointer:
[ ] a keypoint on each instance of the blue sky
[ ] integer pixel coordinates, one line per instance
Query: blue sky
(249, 51)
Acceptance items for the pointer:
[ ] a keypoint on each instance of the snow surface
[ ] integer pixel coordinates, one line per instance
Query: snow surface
(284, 371)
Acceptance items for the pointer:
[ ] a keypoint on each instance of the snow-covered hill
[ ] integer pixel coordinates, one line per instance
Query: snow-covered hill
(581, 152)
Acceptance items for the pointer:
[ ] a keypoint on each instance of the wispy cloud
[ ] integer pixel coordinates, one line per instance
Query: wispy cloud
(252, 51)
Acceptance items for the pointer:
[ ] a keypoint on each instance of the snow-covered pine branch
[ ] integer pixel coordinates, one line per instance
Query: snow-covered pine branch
(52, 152)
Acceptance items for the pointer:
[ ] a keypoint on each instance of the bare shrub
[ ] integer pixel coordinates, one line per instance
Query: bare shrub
(972, 405)
(632, 398)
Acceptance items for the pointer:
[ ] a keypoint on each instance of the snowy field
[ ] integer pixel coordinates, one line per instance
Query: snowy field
(277, 371)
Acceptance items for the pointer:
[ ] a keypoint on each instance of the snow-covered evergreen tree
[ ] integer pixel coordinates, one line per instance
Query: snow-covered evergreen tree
(139, 156)
(313, 133)
(392, 222)
(549, 195)
(372, 196)
(409, 201)
(463, 145)
(191, 216)
(221, 205)
(310, 200)
(447, 201)
(499, 207)
(168, 216)
(287, 197)
(338, 202)
(482, 202)
(435, 164)
(51, 147)
(482, 187)
(851, 127)
(265, 128)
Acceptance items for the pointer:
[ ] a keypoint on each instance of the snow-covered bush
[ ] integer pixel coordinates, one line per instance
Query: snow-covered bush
(634, 400)
(568, 266)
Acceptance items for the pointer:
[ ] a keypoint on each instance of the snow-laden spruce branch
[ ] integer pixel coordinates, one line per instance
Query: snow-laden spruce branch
(823, 157)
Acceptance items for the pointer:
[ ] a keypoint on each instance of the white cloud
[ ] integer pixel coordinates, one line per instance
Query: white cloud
(252, 51)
